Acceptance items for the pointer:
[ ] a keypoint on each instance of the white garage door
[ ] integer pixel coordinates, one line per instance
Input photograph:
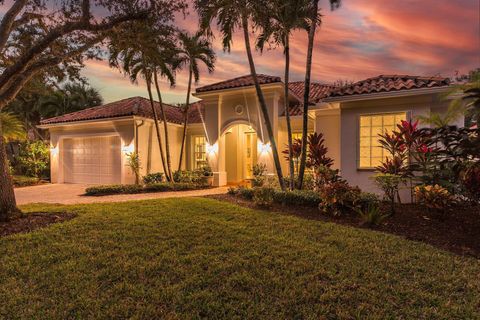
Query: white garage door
(95, 160)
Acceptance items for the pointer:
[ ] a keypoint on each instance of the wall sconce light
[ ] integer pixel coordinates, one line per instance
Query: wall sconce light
(128, 149)
(264, 147)
(211, 148)
(53, 150)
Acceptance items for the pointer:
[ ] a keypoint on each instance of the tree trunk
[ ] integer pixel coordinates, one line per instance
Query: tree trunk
(287, 114)
(8, 204)
(263, 104)
(185, 119)
(306, 96)
(157, 128)
(167, 141)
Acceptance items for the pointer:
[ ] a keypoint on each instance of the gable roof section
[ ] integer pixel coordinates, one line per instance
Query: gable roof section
(389, 83)
(239, 82)
(136, 106)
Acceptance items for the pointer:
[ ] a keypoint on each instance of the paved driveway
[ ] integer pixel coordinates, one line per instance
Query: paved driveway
(73, 193)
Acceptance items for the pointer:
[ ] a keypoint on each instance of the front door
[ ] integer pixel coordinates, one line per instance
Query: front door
(250, 154)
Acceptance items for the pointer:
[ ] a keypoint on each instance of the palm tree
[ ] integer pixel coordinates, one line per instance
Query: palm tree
(315, 19)
(230, 15)
(194, 49)
(281, 19)
(135, 53)
(12, 127)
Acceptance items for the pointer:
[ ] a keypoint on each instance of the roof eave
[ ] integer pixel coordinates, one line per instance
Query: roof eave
(391, 94)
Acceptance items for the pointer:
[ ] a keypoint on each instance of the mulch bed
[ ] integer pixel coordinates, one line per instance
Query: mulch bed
(457, 232)
(32, 221)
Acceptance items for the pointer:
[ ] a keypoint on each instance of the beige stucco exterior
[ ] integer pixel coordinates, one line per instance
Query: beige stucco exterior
(232, 118)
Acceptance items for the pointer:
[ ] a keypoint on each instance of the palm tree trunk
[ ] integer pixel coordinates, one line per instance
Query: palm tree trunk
(263, 104)
(167, 141)
(185, 119)
(287, 114)
(8, 204)
(306, 96)
(157, 128)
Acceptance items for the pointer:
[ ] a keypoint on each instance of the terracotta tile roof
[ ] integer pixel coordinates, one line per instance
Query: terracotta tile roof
(388, 83)
(244, 81)
(136, 106)
(317, 90)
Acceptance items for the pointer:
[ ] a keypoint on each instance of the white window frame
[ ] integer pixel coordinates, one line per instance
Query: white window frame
(194, 151)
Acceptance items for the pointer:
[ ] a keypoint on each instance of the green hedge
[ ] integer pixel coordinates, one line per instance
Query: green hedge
(104, 190)
(304, 198)
(24, 181)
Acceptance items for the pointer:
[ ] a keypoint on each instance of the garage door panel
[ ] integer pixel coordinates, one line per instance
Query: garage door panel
(95, 160)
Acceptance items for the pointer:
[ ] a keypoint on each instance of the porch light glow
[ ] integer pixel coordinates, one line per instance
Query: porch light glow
(211, 148)
(264, 147)
(128, 149)
(53, 150)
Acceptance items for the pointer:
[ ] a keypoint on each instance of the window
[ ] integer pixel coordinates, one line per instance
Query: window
(299, 135)
(199, 152)
(370, 152)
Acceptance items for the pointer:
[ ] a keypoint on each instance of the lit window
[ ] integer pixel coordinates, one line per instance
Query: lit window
(199, 152)
(299, 135)
(370, 152)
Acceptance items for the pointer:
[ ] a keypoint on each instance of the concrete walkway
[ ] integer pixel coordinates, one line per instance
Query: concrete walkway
(73, 194)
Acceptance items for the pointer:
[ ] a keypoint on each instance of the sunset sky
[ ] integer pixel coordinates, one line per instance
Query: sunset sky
(363, 38)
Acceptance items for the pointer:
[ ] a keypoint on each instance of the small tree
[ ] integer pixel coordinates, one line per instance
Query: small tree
(133, 162)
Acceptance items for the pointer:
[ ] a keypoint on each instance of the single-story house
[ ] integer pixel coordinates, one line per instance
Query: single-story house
(227, 131)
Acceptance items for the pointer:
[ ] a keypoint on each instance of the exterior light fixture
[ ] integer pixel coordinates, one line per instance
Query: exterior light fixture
(211, 148)
(264, 147)
(53, 150)
(128, 149)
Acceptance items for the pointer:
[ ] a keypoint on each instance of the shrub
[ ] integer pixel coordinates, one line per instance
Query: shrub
(246, 193)
(434, 197)
(24, 181)
(371, 215)
(196, 176)
(471, 182)
(338, 197)
(153, 178)
(232, 191)
(263, 196)
(258, 171)
(178, 186)
(34, 159)
(390, 185)
(103, 190)
(306, 198)
(207, 171)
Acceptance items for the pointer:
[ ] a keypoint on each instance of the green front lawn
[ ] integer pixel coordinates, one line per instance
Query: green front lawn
(199, 258)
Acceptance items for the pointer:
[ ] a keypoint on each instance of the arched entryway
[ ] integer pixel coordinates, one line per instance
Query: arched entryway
(241, 152)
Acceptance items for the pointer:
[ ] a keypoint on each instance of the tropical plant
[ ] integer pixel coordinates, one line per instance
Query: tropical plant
(34, 158)
(315, 20)
(133, 162)
(471, 182)
(139, 54)
(229, 16)
(372, 215)
(317, 152)
(193, 49)
(293, 153)
(434, 197)
(280, 19)
(12, 127)
(390, 185)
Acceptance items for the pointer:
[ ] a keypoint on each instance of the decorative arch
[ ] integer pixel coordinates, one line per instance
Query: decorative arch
(230, 124)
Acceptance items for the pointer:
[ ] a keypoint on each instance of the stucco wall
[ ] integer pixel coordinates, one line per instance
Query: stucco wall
(148, 148)
(350, 113)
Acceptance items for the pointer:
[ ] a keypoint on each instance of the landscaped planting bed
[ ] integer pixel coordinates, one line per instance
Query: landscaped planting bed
(458, 231)
(194, 258)
(132, 189)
